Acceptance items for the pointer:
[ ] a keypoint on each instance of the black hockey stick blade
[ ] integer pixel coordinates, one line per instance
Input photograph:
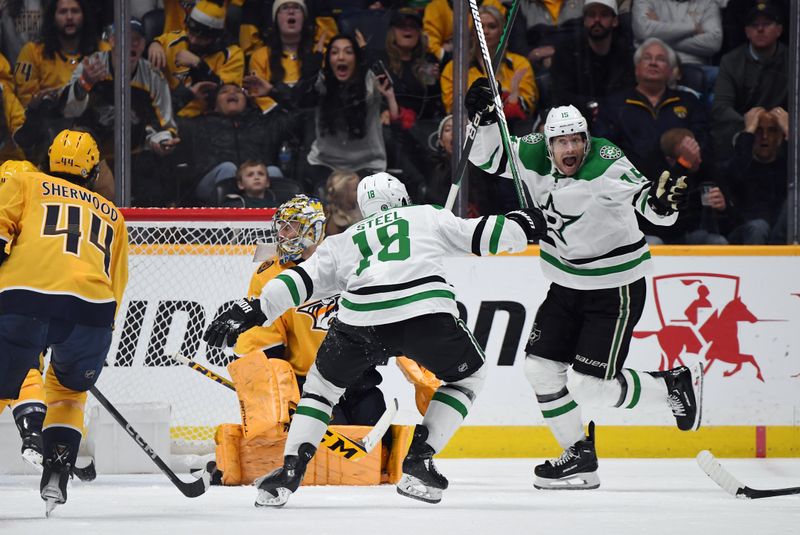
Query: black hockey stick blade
(190, 490)
(719, 475)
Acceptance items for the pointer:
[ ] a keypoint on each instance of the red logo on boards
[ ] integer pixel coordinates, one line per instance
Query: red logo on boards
(700, 315)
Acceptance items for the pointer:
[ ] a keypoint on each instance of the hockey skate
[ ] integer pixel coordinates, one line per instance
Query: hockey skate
(421, 480)
(576, 469)
(275, 488)
(56, 471)
(685, 395)
(32, 445)
(87, 473)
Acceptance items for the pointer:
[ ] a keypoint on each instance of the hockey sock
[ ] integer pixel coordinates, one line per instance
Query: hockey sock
(309, 423)
(563, 416)
(640, 389)
(446, 412)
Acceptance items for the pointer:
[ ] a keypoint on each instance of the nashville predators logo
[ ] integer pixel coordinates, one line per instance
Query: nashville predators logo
(322, 312)
(681, 111)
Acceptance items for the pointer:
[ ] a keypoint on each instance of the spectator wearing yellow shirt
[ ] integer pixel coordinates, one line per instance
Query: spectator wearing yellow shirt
(437, 24)
(196, 61)
(516, 78)
(68, 35)
(286, 78)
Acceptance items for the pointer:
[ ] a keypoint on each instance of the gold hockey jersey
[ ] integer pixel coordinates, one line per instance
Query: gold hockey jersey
(69, 253)
(299, 330)
(34, 72)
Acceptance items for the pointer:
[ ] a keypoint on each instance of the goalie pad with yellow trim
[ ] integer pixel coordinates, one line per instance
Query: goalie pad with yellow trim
(425, 382)
(268, 393)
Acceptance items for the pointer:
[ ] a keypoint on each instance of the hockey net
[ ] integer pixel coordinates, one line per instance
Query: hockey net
(185, 266)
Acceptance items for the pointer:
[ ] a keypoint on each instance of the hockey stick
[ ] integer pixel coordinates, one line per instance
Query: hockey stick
(472, 127)
(498, 103)
(336, 442)
(190, 490)
(719, 475)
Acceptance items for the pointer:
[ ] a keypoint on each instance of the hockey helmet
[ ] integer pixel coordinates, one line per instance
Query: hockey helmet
(298, 224)
(381, 192)
(562, 121)
(75, 154)
(10, 168)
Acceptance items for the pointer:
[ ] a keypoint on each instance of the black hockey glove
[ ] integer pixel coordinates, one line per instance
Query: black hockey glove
(3, 253)
(667, 194)
(479, 99)
(227, 327)
(532, 222)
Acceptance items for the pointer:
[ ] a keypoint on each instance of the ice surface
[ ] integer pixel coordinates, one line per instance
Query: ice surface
(486, 497)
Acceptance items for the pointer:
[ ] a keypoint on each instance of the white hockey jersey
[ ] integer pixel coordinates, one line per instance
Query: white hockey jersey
(593, 239)
(388, 267)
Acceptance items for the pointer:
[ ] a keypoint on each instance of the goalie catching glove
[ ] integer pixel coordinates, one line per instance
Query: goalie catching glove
(667, 194)
(226, 328)
(532, 222)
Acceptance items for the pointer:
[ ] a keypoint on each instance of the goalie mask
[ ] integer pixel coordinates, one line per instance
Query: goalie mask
(563, 121)
(298, 224)
(381, 192)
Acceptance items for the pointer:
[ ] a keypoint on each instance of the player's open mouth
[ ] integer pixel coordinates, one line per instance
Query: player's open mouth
(569, 161)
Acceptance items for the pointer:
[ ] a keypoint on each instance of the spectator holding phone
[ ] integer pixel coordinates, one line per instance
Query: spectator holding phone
(348, 126)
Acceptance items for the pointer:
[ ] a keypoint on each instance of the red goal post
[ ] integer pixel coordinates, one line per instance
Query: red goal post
(185, 266)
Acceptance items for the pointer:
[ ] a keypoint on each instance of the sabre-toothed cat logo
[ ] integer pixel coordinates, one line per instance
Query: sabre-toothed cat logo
(321, 312)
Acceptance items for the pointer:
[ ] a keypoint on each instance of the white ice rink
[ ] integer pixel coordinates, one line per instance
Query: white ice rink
(486, 497)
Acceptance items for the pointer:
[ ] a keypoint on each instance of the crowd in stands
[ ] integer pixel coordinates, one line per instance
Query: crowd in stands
(247, 102)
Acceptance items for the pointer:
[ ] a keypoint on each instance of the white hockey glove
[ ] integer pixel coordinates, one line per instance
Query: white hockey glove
(227, 327)
(667, 194)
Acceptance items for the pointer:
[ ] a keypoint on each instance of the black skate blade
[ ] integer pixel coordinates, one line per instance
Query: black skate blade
(580, 481)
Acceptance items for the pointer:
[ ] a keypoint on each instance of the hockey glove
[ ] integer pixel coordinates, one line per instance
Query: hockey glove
(667, 194)
(532, 222)
(227, 327)
(3, 253)
(479, 99)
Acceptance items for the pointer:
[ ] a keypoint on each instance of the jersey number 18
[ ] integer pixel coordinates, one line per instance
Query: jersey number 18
(394, 241)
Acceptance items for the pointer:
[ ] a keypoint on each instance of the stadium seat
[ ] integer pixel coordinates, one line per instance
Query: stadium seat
(153, 22)
(373, 24)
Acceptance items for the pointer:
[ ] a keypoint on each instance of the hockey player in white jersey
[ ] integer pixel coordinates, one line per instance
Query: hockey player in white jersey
(596, 257)
(395, 299)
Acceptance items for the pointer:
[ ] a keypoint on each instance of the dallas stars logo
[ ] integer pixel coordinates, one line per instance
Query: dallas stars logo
(556, 221)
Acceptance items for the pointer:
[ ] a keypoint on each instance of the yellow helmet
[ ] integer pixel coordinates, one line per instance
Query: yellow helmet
(298, 224)
(74, 153)
(10, 168)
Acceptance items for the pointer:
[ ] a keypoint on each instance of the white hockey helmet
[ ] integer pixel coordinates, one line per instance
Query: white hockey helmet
(380, 192)
(564, 120)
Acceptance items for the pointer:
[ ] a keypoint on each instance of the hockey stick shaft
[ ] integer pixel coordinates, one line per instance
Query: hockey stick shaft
(502, 124)
(190, 490)
(472, 127)
(336, 442)
(719, 475)
(199, 368)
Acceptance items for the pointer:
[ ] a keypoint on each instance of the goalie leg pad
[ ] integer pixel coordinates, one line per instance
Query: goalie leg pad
(267, 389)
(449, 406)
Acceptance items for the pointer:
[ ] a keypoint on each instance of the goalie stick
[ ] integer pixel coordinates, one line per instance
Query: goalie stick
(190, 490)
(337, 443)
(719, 475)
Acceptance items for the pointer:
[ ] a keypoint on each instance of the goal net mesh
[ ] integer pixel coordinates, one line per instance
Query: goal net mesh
(185, 267)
